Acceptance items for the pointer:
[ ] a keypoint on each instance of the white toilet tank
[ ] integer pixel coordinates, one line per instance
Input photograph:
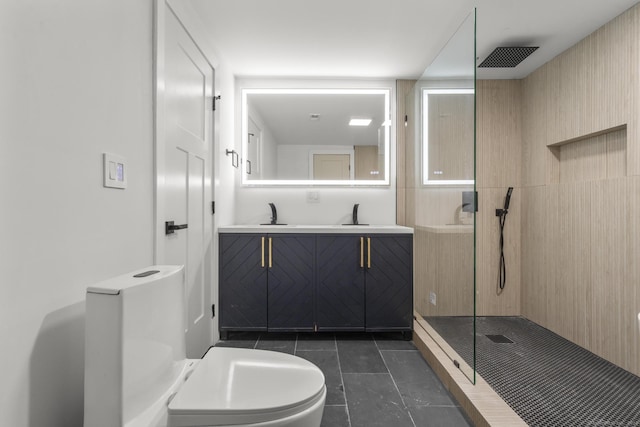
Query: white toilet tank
(135, 347)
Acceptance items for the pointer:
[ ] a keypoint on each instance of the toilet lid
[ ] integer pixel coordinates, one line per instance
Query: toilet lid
(231, 386)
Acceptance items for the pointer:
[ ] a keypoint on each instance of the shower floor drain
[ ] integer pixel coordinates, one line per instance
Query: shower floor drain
(500, 339)
(547, 380)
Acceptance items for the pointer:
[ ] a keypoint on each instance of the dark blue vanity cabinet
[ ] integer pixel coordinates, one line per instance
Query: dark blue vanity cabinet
(340, 282)
(389, 282)
(316, 282)
(364, 282)
(266, 282)
(243, 282)
(291, 282)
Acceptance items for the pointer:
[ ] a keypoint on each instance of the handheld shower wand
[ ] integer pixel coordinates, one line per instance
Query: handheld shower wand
(502, 267)
(507, 199)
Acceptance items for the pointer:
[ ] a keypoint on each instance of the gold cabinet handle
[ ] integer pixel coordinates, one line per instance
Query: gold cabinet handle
(368, 252)
(262, 263)
(270, 253)
(361, 252)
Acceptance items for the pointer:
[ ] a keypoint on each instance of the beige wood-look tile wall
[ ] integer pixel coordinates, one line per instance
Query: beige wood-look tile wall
(405, 141)
(498, 163)
(444, 266)
(581, 193)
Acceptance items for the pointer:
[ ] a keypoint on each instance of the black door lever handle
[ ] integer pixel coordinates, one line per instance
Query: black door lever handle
(170, 227)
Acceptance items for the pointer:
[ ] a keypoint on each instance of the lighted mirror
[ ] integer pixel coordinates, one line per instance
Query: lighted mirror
(315, 136)
(448, 136)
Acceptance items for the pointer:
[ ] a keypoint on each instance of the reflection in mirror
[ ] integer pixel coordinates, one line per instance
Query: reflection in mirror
(448, 126)
(316, 136)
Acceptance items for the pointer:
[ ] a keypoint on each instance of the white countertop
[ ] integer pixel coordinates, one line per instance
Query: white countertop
(317, 229)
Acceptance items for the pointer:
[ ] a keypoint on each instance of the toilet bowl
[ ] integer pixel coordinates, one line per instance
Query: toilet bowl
(249, 387)
(137, 374)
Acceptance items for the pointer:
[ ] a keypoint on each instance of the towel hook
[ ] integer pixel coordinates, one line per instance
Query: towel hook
(234, 158)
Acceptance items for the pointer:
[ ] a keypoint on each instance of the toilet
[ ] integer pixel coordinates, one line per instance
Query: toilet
(137, 373)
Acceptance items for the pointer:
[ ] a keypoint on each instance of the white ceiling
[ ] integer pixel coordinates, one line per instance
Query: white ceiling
(389, 38)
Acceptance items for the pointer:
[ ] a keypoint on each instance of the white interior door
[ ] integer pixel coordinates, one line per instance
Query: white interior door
(184, 169)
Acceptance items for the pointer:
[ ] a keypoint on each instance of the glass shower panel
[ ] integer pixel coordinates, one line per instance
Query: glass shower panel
(440, 201)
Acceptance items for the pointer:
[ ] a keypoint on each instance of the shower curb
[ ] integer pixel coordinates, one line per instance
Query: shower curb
(480, 402)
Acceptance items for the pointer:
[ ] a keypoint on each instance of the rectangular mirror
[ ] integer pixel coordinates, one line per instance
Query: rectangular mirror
(315, 136)
(448, 136)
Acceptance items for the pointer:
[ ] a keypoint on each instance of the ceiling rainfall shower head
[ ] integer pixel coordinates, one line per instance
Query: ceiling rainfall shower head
(507, 57)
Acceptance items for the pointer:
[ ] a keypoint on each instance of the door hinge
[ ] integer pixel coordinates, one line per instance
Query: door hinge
(213, 208)
(213, 311)
(215, 98)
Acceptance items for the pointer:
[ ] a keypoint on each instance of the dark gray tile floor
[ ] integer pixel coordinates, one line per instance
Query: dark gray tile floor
(372, 379)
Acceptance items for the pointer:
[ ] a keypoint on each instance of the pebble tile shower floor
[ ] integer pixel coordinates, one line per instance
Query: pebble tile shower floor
(372, 379)
(546, 379)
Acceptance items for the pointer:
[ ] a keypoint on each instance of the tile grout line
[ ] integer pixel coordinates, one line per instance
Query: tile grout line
(344, 388)
(455, 404)
(394, 382)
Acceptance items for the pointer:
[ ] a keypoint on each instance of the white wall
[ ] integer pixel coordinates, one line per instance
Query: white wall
(334, 207)
(377, 204)
(76, 81)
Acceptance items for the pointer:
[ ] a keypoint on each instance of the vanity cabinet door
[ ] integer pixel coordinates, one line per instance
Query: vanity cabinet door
(291, 282)
(340, 282)
(243, 282)
(389, 282)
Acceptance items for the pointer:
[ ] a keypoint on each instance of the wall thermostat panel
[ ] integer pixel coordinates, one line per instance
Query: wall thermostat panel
(115, 171)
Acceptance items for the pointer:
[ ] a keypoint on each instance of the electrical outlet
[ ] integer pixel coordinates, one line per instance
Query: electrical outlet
(432, 298)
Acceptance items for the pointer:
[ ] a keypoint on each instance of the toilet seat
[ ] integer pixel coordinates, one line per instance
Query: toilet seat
(233, 386)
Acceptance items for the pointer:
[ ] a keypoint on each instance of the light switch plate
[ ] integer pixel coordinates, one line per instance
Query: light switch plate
(115, 171)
